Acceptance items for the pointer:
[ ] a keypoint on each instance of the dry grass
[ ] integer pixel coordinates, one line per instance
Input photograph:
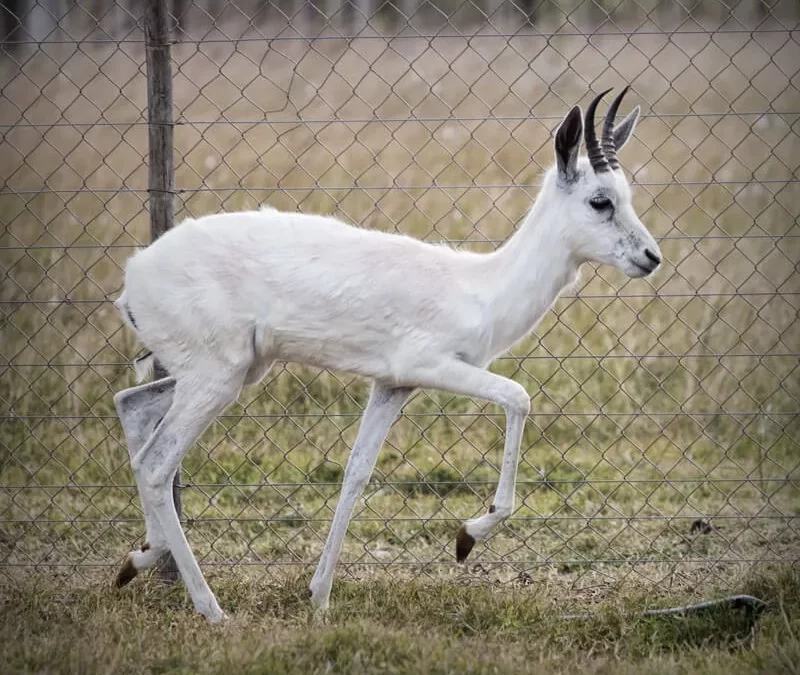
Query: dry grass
(377, 626)
(676, 364)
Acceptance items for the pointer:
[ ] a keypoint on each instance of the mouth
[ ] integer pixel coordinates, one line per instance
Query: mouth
(638, 270)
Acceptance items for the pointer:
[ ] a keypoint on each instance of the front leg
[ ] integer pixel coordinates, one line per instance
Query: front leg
(382, 409)
(461, 378)
(479, 529)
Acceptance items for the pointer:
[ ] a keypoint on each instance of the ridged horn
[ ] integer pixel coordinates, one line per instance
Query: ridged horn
(608, 146)
(593, 149)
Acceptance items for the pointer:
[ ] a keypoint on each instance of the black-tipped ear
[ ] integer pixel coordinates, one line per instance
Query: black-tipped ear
(624, 130)
(568, 144)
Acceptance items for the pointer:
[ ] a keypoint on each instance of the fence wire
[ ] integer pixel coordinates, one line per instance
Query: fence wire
(663, 444)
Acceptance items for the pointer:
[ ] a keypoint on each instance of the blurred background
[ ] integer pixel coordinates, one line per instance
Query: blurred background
(663, 446)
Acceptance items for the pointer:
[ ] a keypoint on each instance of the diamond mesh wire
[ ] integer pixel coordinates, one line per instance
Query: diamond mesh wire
(662, 448)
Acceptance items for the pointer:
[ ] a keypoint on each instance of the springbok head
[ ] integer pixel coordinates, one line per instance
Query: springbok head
(595, 195)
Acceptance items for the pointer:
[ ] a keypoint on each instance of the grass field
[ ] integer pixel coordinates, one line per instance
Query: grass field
(381, 626)
(660, 461)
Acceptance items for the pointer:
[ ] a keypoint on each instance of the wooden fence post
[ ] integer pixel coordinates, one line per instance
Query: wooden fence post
(161, 181)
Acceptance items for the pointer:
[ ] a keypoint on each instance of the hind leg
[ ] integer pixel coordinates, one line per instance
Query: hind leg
(195, 405)
(140, 410)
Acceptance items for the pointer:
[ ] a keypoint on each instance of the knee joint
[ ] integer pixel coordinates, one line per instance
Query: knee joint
(519, 402)
(121, 398)
(500, 512)
(357, 482)
(156, 394)
(157, 487)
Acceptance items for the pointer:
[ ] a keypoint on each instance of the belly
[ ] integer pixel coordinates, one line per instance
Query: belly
(364, 355)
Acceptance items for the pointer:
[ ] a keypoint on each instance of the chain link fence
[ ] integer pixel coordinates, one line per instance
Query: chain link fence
(663, 447)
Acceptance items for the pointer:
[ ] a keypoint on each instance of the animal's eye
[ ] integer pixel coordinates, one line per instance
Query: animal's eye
(600, 203)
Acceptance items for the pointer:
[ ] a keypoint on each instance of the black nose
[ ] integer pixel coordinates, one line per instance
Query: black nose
(652, 256)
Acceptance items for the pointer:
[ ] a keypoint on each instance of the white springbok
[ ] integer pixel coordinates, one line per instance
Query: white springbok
(219, 299)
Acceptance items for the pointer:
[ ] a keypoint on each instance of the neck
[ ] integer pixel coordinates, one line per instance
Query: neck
(529, 271)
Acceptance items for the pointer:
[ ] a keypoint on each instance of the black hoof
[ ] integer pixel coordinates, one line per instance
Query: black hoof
(464, 544)
(126, 574)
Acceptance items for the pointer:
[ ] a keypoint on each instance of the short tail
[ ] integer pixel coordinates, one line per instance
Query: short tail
(143, 366)
(121, 303)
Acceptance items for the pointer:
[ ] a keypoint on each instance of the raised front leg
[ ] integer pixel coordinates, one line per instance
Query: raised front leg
(140, 409)
(382, 409)
(461, 378)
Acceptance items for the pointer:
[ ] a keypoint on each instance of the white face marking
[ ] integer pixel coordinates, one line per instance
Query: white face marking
(602, 224)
